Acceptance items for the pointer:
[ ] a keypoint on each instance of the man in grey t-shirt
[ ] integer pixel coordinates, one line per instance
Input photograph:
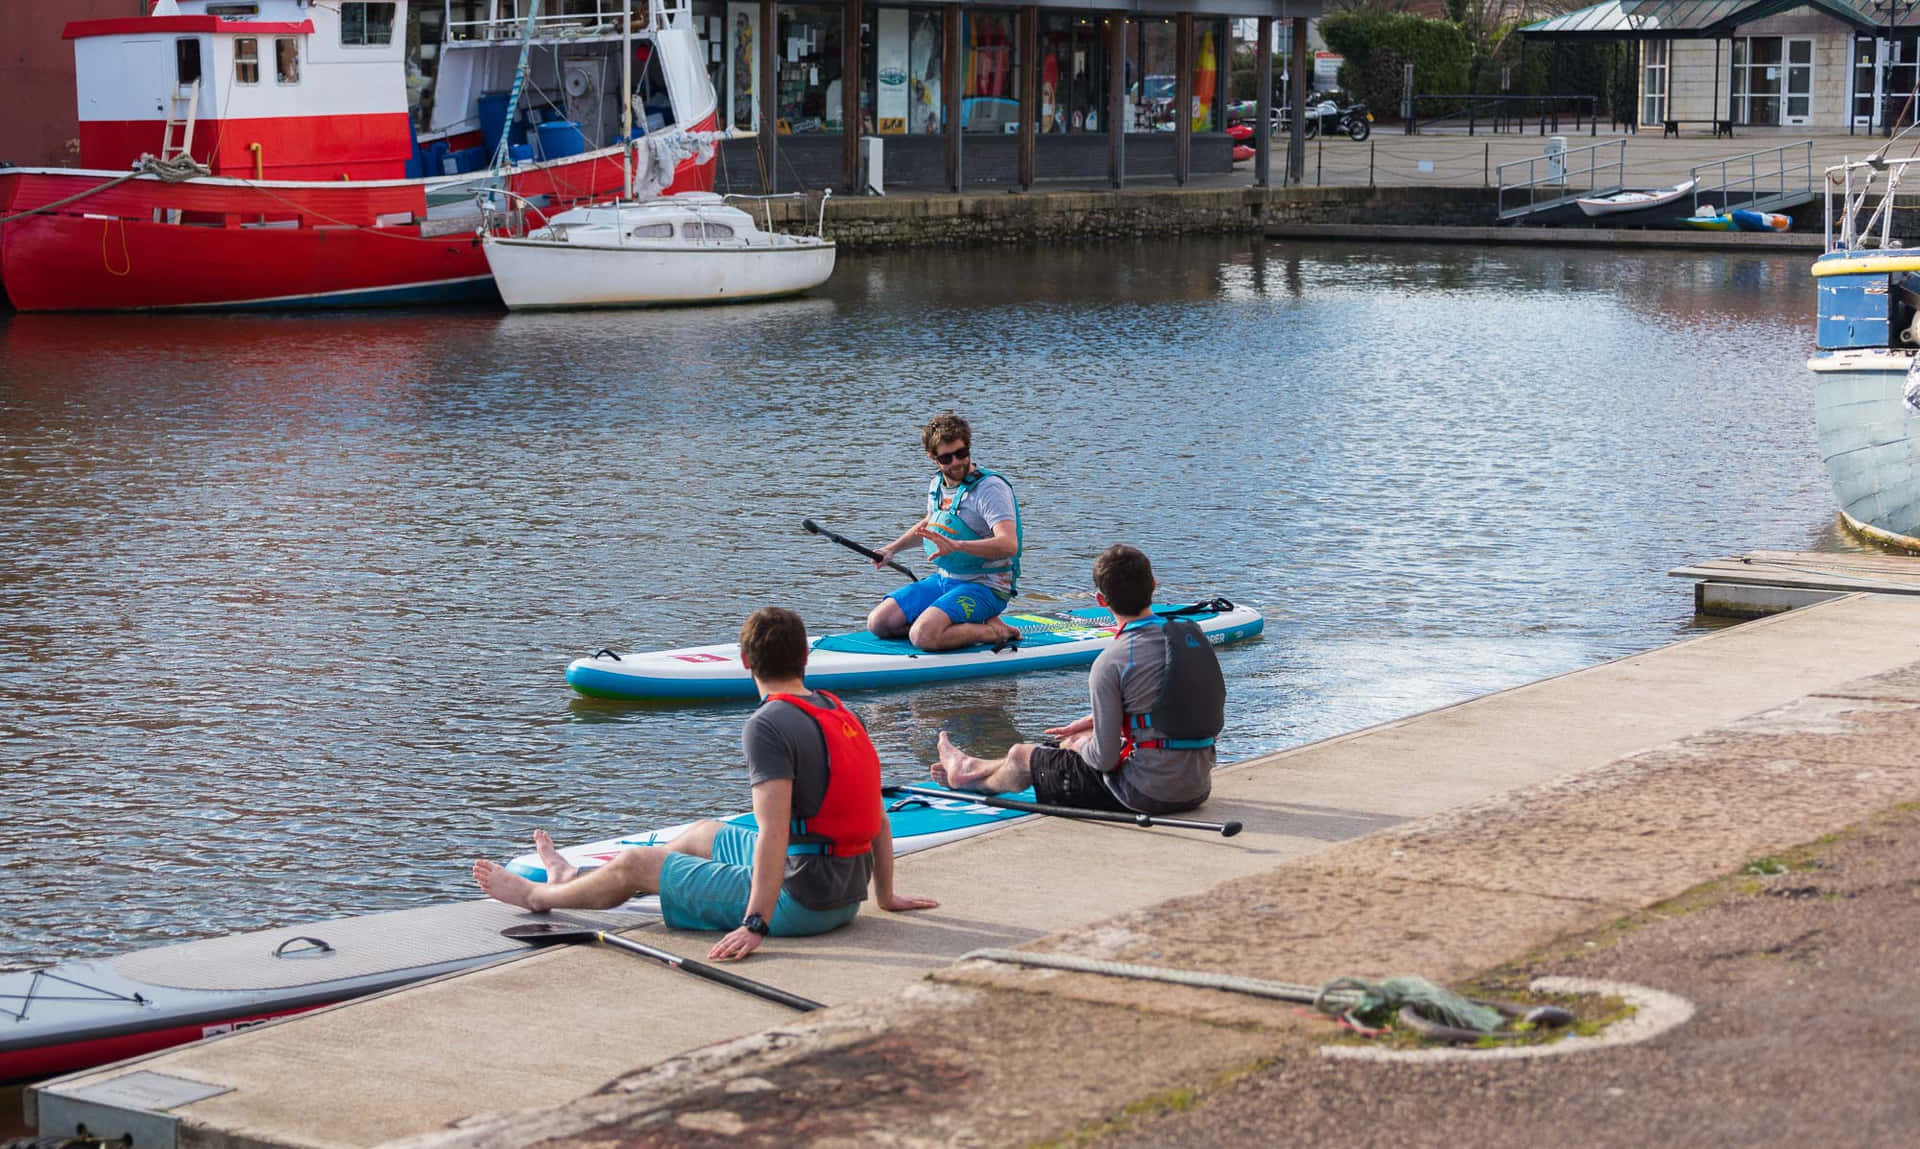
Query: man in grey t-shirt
(1108, 760)
(821, 835)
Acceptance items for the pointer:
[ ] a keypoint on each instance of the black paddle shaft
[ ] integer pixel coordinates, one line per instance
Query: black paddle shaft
(1224, 829)
(542, 933)
(815, 528)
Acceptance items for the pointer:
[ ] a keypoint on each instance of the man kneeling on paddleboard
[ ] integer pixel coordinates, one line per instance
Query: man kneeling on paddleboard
(1159, 701)
(971, 532)
(816, 798)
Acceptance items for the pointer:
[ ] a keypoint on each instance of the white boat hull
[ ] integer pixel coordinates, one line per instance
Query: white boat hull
(537, 274)
(1632, 201)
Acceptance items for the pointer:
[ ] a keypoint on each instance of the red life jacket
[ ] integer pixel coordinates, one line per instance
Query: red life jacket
(850, 811)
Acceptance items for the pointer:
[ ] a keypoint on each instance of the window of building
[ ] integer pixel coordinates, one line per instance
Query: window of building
(186, 61)
(1758, 79)
(246, 60)
(1863, 74)
(1211, 48)
(286, 59)
(1073, 73)
(362, 25)
(1152, 80)
(989, 74)
(807, 87)
(1653, 83)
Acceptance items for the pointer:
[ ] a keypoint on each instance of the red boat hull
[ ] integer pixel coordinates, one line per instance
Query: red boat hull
(147, 244)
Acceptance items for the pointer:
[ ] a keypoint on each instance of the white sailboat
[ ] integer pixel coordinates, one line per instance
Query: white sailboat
(689, 248)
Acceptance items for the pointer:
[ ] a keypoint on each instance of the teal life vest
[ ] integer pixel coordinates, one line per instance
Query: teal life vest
(1192, 707)
(948, 522)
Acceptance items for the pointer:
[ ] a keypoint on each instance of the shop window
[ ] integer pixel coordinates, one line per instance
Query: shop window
(286, 60)
(1209, 68)
(246, 60)
(364, 25)
(1073, 73)
(807, 92)
(1153, 83)
(990, 93)
(903, 77)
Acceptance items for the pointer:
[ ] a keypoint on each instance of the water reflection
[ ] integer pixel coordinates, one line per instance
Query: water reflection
(287, 599)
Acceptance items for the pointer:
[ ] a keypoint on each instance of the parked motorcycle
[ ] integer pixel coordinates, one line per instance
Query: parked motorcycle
(1325, 114)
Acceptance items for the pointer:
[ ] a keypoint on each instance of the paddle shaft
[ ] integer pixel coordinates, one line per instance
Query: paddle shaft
(848, 543)
(1224, 829)
(702, 969)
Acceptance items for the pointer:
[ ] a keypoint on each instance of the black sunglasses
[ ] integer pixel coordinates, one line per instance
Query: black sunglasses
(949, 456)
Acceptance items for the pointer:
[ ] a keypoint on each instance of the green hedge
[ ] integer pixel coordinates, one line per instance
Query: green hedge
(1378, 46)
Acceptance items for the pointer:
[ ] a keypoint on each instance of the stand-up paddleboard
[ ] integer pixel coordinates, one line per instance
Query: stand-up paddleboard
(859, 660)
(79, 1014)
(919, 823)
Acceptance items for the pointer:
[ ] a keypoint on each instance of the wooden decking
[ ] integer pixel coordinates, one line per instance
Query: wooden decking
(1768, 582)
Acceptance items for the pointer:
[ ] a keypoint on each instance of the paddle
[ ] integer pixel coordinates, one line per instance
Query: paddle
(817, 529)
(1224, 829)
(548, 933)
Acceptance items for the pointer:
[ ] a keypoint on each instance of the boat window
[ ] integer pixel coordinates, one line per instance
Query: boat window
(186, 60)
(652, 231)
(286, 60)
(364, 24)
(233, 11)
(719, 231)
(246, 60)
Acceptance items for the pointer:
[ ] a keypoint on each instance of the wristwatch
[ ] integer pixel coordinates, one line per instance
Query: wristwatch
(755, 924)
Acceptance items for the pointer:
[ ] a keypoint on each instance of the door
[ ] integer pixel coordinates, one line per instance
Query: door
(1797, 110)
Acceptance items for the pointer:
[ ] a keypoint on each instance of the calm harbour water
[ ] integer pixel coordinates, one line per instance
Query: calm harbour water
(285, 601)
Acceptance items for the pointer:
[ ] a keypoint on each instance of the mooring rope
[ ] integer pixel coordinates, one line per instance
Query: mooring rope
(177, 170)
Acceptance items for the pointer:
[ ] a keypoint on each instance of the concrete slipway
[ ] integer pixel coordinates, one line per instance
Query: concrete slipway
(1437, 844)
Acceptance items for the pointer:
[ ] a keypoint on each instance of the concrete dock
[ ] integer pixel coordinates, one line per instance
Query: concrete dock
(1442, 844)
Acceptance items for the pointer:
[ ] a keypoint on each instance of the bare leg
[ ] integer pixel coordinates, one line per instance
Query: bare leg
(962, 771)
(933, 630)
(559, 870)
(887, 620)
(633, 871)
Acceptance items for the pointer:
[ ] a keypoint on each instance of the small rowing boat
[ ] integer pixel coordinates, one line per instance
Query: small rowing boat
(1633, 200)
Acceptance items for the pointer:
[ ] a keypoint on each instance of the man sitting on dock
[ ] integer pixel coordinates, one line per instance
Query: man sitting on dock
(971, 532)
(816, 798)
(1159, 700)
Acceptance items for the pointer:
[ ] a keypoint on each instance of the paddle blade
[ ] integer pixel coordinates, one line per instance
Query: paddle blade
(813, 528)
(549, 933)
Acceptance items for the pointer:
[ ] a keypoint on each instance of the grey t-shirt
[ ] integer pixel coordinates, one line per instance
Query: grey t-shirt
(1127, 678)
(781, 741)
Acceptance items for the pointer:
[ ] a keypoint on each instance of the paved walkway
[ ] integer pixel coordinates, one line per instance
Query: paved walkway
(1444, 844)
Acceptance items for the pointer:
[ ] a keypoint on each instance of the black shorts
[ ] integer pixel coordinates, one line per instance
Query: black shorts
(1063, 778)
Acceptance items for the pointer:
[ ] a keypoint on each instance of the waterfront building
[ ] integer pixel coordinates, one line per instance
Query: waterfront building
(1721, 65)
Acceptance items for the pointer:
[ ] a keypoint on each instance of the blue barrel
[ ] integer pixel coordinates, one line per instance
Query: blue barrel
(493, 119)
(519, 153)
(561, 138)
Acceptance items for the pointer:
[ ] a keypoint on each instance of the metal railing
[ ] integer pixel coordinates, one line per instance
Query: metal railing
(1496, 113)
(1770, 177)
(559, 19)
(1595, 169)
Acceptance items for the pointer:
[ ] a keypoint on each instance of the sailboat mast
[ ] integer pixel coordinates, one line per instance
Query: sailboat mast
(626, 98)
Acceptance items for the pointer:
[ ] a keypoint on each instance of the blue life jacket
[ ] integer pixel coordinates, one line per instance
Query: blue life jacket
(1192, 707)
(948, 522)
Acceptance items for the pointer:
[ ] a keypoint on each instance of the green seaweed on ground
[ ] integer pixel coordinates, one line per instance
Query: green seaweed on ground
(1159, 1104)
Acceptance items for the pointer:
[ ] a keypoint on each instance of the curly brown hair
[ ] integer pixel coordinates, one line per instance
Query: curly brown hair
(942, 428)
(773, 643)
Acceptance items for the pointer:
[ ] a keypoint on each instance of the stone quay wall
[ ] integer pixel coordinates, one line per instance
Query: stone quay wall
(867, 223)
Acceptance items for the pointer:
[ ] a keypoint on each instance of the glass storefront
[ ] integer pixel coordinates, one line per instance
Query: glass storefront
(1152, 82)
(990, 92)
(1073, 73)
(901, 75)
(807, 82)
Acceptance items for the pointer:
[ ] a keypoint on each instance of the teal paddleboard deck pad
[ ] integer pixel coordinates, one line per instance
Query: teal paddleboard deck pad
(858, 660)
(918, 823)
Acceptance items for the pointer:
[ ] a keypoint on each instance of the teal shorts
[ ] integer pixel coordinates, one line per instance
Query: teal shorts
(711, 893)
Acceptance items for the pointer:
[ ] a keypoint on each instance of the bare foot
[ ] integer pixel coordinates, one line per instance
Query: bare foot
(503, 885)
(957, 769)
(1002, 631)
(558, 868)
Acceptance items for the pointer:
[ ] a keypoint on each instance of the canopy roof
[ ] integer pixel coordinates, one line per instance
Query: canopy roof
(1707, 19)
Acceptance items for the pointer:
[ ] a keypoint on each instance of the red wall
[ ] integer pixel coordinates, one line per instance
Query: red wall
(36, 77)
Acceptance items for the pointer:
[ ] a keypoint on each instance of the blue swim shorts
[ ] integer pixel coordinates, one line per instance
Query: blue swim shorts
(711, 893)
(959, 600)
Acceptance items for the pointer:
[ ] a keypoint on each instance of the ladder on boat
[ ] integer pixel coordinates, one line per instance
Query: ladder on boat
(183, 107)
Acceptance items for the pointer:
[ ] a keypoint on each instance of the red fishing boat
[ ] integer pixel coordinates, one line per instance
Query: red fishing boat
(277, 154)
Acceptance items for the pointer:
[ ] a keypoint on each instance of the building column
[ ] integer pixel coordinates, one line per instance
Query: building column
(951, 58)
(1027, 46)
(1117, 99)
(1263, 106)
(1297, 99)
(769, 61)
(851, 12)
(1182, 97)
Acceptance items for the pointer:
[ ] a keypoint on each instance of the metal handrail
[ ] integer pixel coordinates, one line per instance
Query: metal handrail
(1560, 168)
(506, 20)
(1769, 166)
(1473, 104)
